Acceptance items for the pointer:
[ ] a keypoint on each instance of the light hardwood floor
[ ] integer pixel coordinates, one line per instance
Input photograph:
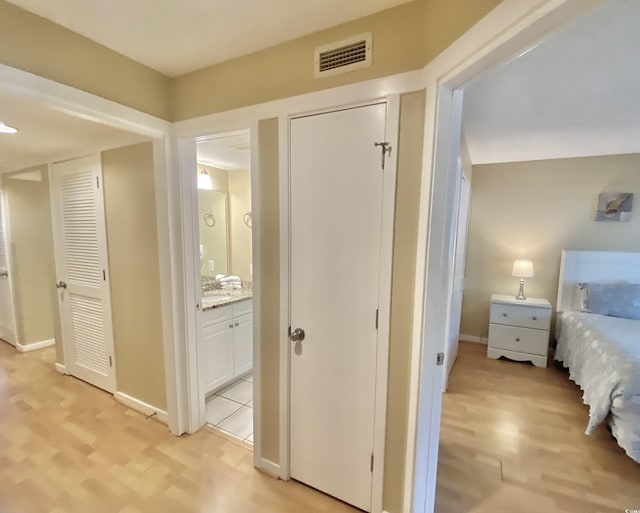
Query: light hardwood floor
(513, 440)
(66, 447)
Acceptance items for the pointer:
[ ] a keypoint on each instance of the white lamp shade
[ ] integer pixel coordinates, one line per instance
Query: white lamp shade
(522, 268)
(204, 181)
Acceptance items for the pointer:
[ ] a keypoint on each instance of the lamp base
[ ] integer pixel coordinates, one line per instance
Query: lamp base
(520, 296)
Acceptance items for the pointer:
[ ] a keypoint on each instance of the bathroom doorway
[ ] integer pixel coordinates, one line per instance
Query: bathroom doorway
(225, 279)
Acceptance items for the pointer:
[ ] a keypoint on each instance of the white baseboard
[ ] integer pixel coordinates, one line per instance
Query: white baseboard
(61, 368)
(142, 407)
(269, 467)
(35, 345)
(473, 338)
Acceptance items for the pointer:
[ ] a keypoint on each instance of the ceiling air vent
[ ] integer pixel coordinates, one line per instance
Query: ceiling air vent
(343, 56)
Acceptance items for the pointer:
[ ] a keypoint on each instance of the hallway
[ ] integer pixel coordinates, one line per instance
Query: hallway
(66, 446)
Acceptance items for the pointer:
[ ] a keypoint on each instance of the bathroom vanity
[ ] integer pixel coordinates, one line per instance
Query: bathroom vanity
(226, 342)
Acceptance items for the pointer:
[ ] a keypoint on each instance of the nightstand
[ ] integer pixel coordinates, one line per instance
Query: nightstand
(519, 330)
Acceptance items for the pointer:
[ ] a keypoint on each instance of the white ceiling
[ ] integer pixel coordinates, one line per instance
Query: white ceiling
(178, 36)
(575, 95)
(47, 135)
(226, 152)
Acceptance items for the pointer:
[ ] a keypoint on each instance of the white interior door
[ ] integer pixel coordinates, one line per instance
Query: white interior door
(81, 269)
(7, 316)
(336, 186)
(457, 280)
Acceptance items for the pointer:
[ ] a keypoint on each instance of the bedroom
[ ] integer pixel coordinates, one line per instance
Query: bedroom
(542, 142)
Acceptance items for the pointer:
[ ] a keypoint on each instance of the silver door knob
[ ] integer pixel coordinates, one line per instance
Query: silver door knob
(61, 285)
(297, 335)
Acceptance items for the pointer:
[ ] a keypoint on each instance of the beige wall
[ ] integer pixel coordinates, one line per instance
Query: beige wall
(412, 108)
(134, 273)
(405, 38)
(33, 274)
(240, 236)
(534, 210)
(36, 45)
(219, 177)
(268, 197)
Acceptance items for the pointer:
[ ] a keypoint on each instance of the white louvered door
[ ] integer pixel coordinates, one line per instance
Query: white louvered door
(7, 317)
(81, 270)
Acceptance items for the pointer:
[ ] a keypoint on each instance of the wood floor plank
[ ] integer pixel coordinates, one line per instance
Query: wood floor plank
(67, 447)
(530, 423)
(512, 437)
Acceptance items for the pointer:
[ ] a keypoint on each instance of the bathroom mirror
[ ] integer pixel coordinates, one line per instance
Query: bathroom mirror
(214, 236)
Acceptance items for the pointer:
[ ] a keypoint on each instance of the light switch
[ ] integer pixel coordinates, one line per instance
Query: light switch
(211, 266)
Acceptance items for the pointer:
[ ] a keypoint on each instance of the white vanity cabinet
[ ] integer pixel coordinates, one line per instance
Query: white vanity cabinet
(226, 344)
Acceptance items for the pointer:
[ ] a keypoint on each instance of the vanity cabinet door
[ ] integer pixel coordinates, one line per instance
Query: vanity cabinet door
(216, 358)
(243, 344)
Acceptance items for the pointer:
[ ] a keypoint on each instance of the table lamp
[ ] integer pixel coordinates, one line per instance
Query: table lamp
(522, 269)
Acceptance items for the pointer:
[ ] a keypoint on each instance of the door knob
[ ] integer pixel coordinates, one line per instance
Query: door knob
(297, 335)
(61, 285)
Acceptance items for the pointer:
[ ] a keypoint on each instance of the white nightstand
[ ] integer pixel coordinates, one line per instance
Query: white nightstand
(519, 330)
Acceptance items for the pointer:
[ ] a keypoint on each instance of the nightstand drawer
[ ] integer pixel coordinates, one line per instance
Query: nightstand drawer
(523, 340)
(520, 315)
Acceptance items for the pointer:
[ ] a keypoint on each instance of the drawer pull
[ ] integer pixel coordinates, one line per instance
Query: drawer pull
(534, 318)
(504, 315)
(517, 339)
(237, 324)
(231, 325)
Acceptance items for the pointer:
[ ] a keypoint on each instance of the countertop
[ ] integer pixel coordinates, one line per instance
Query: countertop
(218, 298)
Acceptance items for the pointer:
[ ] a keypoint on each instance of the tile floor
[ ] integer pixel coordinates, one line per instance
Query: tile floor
(231, 409)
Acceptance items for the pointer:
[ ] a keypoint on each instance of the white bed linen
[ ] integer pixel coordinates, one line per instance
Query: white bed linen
(603, 357)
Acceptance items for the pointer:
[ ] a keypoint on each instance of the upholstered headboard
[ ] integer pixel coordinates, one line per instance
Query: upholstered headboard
(593, 266)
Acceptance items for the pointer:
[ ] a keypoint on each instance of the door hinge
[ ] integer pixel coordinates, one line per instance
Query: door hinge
(377, 313)
(104, 275)
(110, 361)
(97, 182)
(386, 148)
(289, 332)
(440, 359)
(371, 462)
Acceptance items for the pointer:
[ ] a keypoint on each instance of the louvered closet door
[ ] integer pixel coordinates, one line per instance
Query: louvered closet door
(81, 268)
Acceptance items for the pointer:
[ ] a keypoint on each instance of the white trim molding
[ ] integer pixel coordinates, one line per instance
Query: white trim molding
(269, 467)
(473, 338)
(146, 409)
(23, 348)
(61, 368)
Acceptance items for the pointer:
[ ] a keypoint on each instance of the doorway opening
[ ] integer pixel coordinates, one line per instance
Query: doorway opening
(225, 283)
(28, 319)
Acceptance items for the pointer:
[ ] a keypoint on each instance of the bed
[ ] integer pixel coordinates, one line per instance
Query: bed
(602, 352)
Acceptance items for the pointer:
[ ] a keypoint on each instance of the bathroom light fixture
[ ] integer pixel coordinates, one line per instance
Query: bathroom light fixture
(204, 181)
(5, 129)
(522, 269)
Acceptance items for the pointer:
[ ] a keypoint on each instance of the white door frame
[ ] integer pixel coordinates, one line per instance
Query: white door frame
(76, 102)
(187, 154)
(385, 275)
(510, 29)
